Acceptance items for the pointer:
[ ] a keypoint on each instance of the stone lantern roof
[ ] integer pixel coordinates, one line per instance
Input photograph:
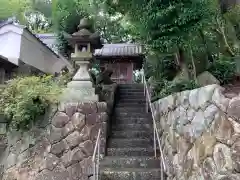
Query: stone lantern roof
(85, 35)
(85, 24)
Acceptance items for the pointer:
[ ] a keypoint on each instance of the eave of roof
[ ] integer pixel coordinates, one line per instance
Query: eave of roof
(41, 41)
(119, 50)
(3, 58)
(6, 22)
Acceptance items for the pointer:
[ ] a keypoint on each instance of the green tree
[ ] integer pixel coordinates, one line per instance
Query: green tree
(15, 8)
(35, 14)
(67, 14)
(39, 15)
(165, 26)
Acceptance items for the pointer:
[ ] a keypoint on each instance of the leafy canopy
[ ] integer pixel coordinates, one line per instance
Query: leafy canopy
(166, 24)
(9, 8)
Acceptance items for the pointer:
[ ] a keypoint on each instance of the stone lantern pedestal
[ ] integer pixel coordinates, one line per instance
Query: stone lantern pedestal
(80, 89)
(82, 85)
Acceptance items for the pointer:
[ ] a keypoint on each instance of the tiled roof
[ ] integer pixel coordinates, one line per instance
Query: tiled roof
(6, 61)
(5, 22)
(49, 40)
(46, 36)
(119, 50)
(3, 58)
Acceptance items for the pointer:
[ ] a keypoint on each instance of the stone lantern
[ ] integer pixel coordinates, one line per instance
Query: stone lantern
(84, 41)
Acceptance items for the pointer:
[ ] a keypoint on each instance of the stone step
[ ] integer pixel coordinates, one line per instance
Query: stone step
(130, 151)
(128, 101)
(131, 98)
(130, 93)
(124, 93)
(134, 127)
(131, 101)
(130, 104)
(130, 174)
(129, 143)
(132, 120)
(130, 162)
(135, 103)
(131, 110)
(129, 86)
(132, 114)
(132, 134)
(130, 89)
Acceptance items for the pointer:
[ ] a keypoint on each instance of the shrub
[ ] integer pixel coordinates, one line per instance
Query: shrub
(161, 67)
(223, 69)
(137, 76)
(65, 78)
(26, 98)
(171, 87)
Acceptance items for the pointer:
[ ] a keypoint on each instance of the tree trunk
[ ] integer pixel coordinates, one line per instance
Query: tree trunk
(227, 4)
(237, 30)
(193, 65)
(209, 54)
(220, 30)
(183, 65)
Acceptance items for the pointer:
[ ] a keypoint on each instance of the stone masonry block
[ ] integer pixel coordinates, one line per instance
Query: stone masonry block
(87, 108)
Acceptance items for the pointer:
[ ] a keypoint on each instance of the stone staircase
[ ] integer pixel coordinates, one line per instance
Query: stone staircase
(130, 153)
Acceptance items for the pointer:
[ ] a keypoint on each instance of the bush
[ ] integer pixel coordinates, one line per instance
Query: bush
(171, 87)
(65, 78)
(26, 98)
(137, 76)
(223, 69)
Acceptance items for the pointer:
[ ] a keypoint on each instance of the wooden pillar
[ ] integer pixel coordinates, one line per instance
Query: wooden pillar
(2, 75)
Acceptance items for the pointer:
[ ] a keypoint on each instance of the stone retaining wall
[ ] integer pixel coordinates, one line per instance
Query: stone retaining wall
(200, 134)
(62, 148)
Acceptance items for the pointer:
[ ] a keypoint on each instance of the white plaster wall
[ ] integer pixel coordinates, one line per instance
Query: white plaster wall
(17, 43)
(35, 54)
(51, 42)
(60, 64)
(10, 46)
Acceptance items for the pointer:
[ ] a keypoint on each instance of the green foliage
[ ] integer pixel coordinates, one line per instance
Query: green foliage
(161, 67)
(35, 14)
(66, 16)
(164, 25)
(171, 87)
(194, 31)
(39, 16)
(65, 78)
(223, 69)
(42, 6)
(137, 76)
(25, 98)
(233, 16)
(9, 8)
